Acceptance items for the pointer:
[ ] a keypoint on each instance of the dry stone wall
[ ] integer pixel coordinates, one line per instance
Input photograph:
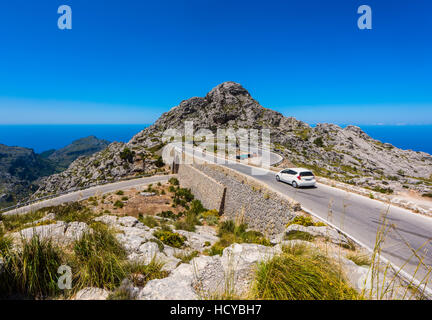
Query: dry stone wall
(243, 199)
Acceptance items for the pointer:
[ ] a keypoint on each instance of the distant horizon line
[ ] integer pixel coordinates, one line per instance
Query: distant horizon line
(148, 124)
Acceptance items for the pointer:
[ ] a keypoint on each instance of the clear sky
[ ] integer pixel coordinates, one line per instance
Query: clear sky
(128, 61)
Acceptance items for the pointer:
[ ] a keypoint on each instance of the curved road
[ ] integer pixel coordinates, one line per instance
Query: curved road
(87, 193)
(360, 217)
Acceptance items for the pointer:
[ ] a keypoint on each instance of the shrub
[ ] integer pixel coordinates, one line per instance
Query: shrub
(119, 204)
(173, 181)
(120, 193)
(196, 207)
(159, 162)
(124, 198)
(319, 142)
(429, 195)
(170, 238)
(149, 221)
(305, 275)
(127, 155)
(30, 272)
(168, 214)
(305, 221)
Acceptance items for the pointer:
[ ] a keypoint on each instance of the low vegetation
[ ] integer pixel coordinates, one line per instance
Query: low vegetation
(305, 221)
(31, 271)
(170, 238)
(229, 232)
(300, 273)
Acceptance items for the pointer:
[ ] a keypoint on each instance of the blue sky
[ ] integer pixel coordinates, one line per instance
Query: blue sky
(129, 61)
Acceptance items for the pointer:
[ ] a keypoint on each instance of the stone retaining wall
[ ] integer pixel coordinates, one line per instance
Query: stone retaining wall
(207, 190)
(244, 200)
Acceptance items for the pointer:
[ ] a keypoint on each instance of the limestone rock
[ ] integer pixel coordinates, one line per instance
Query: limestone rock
(325, 232)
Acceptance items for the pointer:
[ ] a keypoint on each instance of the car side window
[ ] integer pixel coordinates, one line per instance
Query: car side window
(292, 172)
(285, 171)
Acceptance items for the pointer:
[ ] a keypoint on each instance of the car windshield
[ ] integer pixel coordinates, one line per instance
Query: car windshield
(306, 174)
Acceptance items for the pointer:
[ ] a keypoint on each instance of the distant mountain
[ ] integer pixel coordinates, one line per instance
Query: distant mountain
(81, 147)
(21, 168)
(344, 154)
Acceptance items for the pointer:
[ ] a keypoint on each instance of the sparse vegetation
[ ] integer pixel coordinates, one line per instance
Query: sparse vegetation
(149, 221)
(99, 259)
(300, 274)
(359, 259)
(305, 221)
(230, 233)
(31, 271)
(170, 238)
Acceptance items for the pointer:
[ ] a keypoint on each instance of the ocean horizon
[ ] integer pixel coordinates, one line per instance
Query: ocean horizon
(41, 138)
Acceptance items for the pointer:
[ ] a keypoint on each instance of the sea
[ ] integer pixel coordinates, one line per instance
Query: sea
(45, 137)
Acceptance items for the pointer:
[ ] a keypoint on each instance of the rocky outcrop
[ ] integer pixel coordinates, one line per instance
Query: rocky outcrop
(210, 276)
(60, 232)
(346, 154)
(113, 163)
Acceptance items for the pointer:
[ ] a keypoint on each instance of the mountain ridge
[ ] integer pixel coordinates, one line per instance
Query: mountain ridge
(344, 154)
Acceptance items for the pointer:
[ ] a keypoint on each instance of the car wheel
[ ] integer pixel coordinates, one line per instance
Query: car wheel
(277, 178)
(294, 184)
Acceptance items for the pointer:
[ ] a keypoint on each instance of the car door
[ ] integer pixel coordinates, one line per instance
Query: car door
(291, 176)
(284, 176)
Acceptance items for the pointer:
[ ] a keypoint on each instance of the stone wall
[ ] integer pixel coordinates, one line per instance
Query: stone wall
(206, 189)
(245, 200)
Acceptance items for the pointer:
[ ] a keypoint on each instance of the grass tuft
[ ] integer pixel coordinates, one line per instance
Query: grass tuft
(300, 274)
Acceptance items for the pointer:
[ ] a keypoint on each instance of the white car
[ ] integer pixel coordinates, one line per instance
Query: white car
(297, 177)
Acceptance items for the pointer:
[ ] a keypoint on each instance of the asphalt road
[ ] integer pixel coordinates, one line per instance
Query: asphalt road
(87, 193)
(361, 217)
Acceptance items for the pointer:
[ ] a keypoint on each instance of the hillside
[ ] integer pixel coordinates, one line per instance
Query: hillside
(345, 154)
(20, 168)
(81, 147)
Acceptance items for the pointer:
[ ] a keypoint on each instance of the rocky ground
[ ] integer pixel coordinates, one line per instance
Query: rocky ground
(345, 154)
(207, 261)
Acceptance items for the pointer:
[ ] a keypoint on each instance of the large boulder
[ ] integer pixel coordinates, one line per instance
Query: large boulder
(211, 276)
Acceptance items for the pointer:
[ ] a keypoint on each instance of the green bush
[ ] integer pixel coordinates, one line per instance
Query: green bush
(30, 272)
(119, 204)
(127, 155)
(159, 162)
(305, 221)
(170, 238)
(168, 215)
(319, 142)
(120, 193)
(174, 181)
